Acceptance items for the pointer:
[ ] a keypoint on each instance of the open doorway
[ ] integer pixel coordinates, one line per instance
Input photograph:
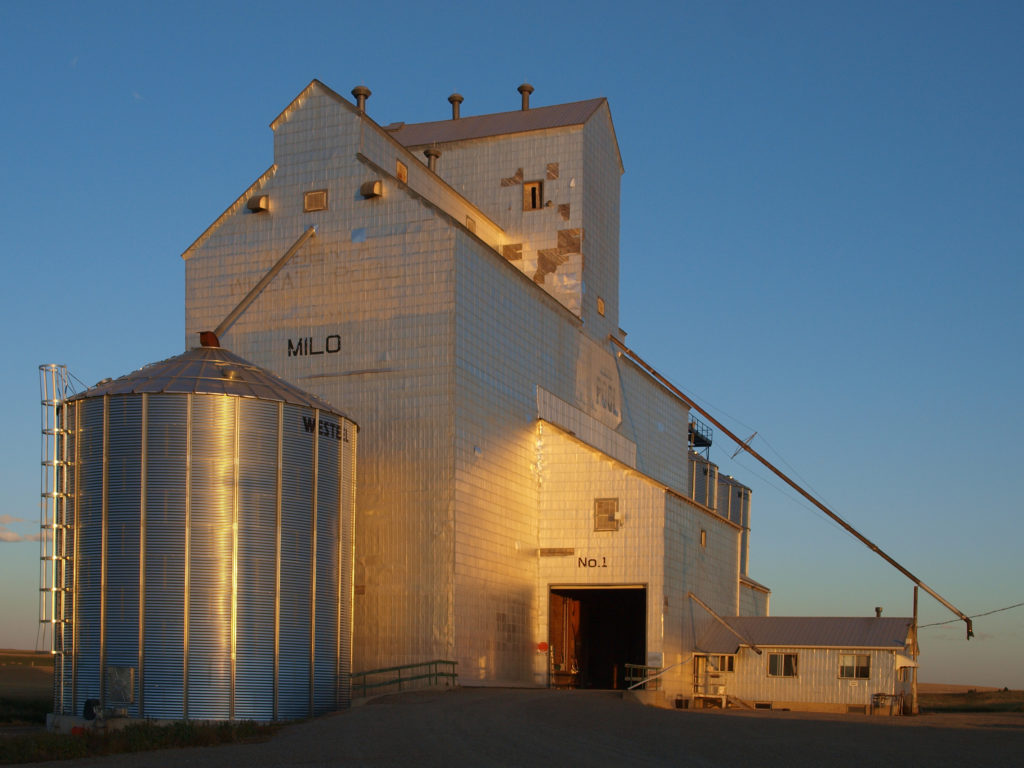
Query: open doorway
(593, 633)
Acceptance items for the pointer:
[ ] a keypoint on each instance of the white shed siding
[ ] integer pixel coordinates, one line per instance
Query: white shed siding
(817, 680)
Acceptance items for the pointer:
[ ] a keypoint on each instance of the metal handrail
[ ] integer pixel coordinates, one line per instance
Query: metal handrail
(438, 669)
(640, 674)
(662, 672)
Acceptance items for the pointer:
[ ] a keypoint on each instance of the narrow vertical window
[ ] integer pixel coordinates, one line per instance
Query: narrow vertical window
(533, 195)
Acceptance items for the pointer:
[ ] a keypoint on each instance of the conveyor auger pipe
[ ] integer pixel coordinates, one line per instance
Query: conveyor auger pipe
(781, 475)
(250, 297)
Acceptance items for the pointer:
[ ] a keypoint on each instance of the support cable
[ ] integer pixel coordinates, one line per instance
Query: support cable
(785, 478)
(975, 616)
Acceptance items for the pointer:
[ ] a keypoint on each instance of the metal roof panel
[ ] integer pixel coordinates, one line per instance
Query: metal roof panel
(497, 124)
(208, 371)
(807, 632)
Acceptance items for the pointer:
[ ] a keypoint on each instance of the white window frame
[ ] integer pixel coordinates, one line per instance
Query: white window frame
(782, 666)
(849, 662)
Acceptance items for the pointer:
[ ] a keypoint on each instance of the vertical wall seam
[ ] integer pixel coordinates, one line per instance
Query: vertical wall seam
(188, 555)
(277, 560)
(234, 560)
(143, 469)
(104, 495)
(339, 561)
(312, 572)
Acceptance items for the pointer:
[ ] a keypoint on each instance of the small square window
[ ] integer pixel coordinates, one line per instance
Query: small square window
(856, 666)
(315, 200)
(606, 514)
(782, 664)
(402, 171)
(533, 196)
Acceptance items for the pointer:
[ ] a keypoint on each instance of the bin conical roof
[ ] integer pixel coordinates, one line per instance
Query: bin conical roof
(208, 370)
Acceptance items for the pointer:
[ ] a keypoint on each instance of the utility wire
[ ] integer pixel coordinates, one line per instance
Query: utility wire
(797, 501)
(798, 488)
(711, 406)
(975, 616)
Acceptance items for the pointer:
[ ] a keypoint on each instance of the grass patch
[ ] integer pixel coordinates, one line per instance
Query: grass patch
(972, 701)
(24, 711)
(140, 737)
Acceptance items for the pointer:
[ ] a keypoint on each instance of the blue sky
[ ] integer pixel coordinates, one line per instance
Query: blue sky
(822, 240)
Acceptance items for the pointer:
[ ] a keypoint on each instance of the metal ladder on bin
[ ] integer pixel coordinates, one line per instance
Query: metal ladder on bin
(54, 557)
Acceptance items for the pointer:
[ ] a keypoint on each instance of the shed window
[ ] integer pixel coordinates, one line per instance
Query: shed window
(855, 665)
(782, 664)
(723, 663)
(606, 514)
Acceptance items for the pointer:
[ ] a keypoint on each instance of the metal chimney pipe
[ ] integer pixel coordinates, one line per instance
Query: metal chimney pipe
(525, 89)
(432, 154)
(455, 100)
(362, 93)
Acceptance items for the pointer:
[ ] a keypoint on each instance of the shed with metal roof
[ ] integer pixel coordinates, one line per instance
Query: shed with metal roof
(839, 664)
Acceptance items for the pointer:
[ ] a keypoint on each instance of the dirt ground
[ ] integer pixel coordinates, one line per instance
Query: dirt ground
(503, 727)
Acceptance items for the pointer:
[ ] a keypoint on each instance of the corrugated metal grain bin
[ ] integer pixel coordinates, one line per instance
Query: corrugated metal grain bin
(208, 516)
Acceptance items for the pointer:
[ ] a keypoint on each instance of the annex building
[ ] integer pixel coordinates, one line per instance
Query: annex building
(530, 503)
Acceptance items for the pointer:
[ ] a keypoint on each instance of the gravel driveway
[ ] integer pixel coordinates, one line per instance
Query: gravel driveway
(513, 727)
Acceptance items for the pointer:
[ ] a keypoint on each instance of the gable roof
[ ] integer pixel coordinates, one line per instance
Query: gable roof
(807, 632)
(497, 124)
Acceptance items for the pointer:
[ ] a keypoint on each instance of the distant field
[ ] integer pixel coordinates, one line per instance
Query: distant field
(944, 688)
(972, 700)
(27, 658)
(26, 687)
(25, 676)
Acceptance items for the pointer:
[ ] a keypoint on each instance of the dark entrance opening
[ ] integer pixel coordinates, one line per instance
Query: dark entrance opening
(594, 633)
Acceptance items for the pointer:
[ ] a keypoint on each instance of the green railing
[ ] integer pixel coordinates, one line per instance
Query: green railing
(434, 673)
(638, 675)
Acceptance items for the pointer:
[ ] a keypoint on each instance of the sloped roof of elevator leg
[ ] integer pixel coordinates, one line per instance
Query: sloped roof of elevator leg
(497, 124)
(500, 124)
(208, 371)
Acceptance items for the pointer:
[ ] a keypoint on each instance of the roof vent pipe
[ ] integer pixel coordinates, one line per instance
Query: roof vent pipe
(432, 154)
(455, 100)
(525, 90)
(878, 611)
(362, 93)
